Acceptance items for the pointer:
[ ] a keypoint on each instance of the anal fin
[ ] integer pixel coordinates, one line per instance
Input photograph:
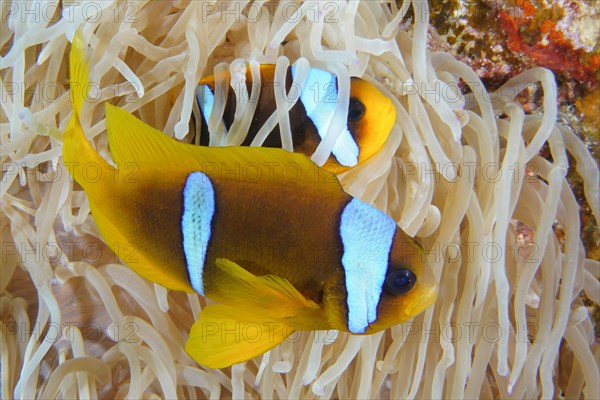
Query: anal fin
(225, 335)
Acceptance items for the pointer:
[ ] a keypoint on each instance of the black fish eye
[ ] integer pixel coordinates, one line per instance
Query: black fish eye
(356, 110)
(400, 281)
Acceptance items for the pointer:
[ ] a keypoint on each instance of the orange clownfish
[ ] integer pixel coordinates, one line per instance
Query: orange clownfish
(325, 260)
(371, 115)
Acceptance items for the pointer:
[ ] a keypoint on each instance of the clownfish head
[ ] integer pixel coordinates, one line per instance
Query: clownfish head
(385, 278)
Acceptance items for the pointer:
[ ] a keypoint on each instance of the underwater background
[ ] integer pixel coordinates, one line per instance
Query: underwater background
(475, 163)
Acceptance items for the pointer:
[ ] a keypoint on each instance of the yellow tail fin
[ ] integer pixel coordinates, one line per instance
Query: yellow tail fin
(78, 154)
(79, 71)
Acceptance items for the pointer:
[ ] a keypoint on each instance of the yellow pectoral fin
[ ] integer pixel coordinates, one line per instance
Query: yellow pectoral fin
(268, 295)
(225, 335)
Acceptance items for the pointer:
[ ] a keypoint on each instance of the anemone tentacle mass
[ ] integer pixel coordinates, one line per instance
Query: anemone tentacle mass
(462, 171)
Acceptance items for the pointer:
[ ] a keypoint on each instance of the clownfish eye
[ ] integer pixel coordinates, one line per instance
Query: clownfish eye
(356, 110)
(400, 281)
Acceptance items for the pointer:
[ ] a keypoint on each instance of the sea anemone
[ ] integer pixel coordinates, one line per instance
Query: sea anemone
(461, 171)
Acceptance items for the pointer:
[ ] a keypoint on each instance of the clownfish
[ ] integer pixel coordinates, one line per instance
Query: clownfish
(318, 259)
(371, 115)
